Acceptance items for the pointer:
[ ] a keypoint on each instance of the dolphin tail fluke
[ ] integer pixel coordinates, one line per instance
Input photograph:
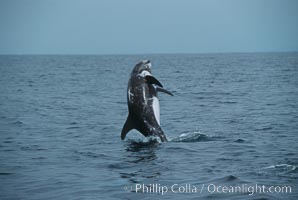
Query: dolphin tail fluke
(163, 137)
(127, 127)
(164, 91)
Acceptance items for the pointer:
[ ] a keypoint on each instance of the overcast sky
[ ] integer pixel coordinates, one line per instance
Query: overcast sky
(147, 26)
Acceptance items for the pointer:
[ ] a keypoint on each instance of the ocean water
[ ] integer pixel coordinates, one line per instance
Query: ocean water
(232, 122)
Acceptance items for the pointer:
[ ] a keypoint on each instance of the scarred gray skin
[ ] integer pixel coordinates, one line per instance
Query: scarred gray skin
(140, 95)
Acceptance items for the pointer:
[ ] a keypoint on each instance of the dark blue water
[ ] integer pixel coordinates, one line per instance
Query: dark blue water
(232, 122)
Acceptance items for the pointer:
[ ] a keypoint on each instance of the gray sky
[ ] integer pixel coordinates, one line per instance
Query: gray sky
(147, 26)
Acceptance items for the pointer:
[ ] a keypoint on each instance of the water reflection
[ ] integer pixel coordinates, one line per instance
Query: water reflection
(137, 146)
(141, 161)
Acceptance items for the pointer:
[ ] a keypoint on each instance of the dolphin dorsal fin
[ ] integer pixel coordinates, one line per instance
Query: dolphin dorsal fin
(129, 125)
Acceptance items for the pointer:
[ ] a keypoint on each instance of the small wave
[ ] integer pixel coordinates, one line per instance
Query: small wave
(73, 127)
(6, 173)
(192, 137)
(227, 179)
(239, 141)
(227, 102)
(282, 168)
(18, 122)
(279, 170)
(39, 158)
(33, 148)
(263, 129)
(91, 154)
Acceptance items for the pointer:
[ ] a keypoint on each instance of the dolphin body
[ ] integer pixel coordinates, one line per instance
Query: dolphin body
(143, 103)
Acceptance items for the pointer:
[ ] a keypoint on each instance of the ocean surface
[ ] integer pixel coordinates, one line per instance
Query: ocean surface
(232, 123)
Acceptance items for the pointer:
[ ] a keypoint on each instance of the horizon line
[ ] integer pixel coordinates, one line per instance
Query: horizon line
(131, 54)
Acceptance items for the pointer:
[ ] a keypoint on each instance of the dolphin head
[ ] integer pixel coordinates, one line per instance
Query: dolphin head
(142, 68)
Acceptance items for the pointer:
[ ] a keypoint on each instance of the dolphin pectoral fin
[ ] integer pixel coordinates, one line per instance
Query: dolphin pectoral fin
(129, 125)
(164, 91)
(152, 80)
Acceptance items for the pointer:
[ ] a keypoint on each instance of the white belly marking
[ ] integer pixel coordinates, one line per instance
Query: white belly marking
(156, 110)
(130, 94)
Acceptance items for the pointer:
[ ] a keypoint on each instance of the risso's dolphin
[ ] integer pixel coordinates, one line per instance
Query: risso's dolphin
(143, 103)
